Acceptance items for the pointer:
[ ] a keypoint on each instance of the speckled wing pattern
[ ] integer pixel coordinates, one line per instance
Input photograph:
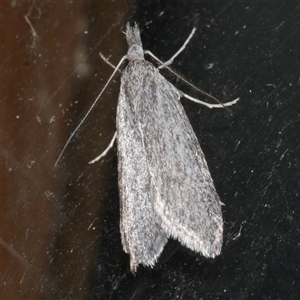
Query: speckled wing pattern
(166, 189)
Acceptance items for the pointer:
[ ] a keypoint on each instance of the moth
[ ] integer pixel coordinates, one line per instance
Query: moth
(166, 189)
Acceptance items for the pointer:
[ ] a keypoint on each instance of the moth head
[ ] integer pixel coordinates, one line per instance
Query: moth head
(133, 35)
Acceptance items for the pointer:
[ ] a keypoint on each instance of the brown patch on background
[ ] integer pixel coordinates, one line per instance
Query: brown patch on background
(44, 245)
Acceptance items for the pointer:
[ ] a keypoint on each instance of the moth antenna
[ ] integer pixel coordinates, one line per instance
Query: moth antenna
(90, 109)
(185, 80)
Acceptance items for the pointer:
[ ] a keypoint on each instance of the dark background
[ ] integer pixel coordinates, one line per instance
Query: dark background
(60, 235)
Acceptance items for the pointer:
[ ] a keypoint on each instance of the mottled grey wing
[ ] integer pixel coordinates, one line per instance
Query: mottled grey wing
(181, 188)
(142, 236)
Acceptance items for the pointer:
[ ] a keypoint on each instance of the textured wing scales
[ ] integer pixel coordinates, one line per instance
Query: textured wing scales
(185, 197)
(142, 236)
(166, 188)
(182, 190)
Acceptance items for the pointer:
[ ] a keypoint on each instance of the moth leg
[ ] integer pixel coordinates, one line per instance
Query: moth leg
(170, 61)
(90, 109)
(106, 60)
(106, 150)
(221, 105)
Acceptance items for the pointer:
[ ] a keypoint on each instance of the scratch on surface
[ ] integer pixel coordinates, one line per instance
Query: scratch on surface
(12, 251)
(279, 25)
(271, 84)
(246, 80)
(238, 234)
(35, 36)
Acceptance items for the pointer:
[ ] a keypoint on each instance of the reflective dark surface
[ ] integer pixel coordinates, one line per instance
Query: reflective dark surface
(60, 226)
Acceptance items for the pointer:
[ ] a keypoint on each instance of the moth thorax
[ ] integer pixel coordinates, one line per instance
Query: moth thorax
(135, 52)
